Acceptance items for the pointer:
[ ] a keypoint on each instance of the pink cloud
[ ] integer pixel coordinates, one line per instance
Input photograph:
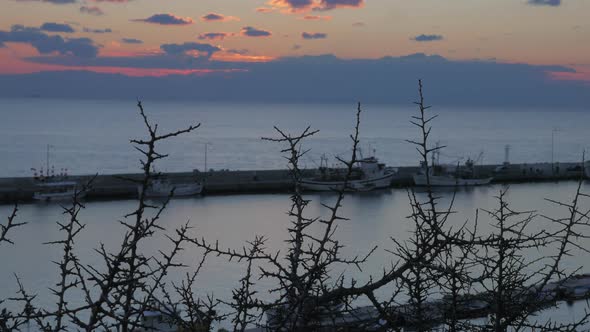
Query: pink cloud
(265, 10)
(154, 72)
(580, 74)
(316, 18)
(292, 6)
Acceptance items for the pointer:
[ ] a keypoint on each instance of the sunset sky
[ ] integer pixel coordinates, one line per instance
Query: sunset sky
(158, 38)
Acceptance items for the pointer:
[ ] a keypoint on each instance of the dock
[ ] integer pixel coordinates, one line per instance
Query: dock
(219, 182)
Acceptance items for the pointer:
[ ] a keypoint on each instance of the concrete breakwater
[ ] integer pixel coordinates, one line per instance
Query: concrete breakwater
(265, 181)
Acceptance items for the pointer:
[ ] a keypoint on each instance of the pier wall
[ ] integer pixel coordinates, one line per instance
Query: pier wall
(261, 181)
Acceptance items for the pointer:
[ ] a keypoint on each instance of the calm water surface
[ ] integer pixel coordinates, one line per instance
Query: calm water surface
(92, 136)
(375, 217)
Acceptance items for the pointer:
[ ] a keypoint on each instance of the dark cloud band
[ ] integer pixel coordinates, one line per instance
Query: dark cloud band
(46, 44)
(314, 35)
(57, 27)
(552, 3)
(427, 38)
(166, 19)
(253, 32)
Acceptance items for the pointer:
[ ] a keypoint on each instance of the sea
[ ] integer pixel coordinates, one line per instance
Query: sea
(93, 136)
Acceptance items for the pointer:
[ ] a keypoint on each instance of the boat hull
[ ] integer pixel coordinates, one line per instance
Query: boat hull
(65, 196)
(353, 185)
(449, 181)
(57, 191)
(179, 190)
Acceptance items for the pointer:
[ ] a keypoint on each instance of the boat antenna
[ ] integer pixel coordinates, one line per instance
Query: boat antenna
(206, 148)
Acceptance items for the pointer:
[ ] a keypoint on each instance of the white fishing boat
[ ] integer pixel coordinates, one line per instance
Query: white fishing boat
(57, 191)
(157, 321)
(369, 175)
(162, 318)
(446, 176)
(54, 187)
(163, 188)
(449, 180)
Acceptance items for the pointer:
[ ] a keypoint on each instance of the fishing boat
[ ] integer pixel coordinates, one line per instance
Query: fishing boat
(163, 188)
(449, 180)
(159, 317)
(370, 174)
(54, 187)
(57, 190)
(445, 176)
(156, 321)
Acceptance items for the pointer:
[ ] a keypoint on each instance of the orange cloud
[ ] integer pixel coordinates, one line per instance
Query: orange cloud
(157, 72)
(15, 66)
(316, 18)
(264, 10)
(292, 6)
(236, 57)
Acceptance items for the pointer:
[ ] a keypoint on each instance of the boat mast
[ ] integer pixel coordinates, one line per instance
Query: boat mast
(553, 131)
(47, 161)
(206, 148)
(436, 154)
